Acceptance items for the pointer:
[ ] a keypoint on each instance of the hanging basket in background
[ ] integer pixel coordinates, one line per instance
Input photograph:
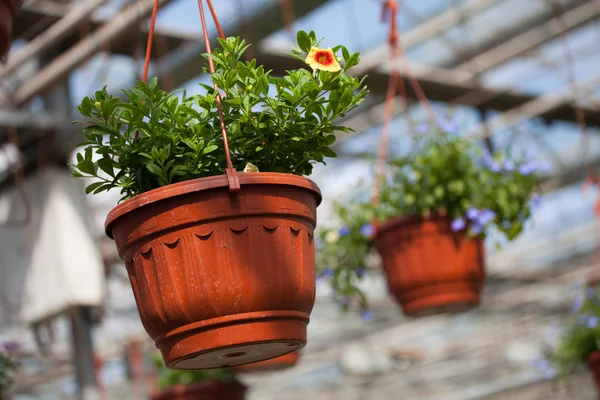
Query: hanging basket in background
(209, 390)
(220, 278)
(8, 11)
(274, 364)
(430, 269)
(593, 361)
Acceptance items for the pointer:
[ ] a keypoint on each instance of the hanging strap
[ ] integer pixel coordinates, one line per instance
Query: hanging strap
(395, 85)
(232, 178)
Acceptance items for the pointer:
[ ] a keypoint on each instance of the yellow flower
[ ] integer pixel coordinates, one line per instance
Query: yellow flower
(322, 59)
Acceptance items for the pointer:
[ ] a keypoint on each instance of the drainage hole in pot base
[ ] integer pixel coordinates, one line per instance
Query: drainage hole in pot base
(237, 355)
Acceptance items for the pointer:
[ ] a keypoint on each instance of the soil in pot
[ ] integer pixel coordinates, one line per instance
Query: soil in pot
(274, 364)
(209, 390)
(221, 279)
(430, 269)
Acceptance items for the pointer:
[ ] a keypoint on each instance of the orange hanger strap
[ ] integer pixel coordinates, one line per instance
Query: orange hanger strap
(234, 184)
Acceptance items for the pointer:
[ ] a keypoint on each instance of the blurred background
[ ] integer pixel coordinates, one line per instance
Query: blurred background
(512, 72)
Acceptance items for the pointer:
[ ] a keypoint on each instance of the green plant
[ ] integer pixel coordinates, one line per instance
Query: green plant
(8, 368)
(569, 346)
(274, 124)
(445, 174)
(168, 378)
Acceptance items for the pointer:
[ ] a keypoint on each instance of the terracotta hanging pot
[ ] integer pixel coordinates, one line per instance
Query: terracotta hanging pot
(8, 11)
(210, 390)
(221, 278)
(430, 269)
(274, 364)
(593, 361)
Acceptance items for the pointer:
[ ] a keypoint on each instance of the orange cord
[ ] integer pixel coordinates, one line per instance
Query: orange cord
(214, 15)
(149, 48)
(234, 184)
(395, 85)
(150, 37)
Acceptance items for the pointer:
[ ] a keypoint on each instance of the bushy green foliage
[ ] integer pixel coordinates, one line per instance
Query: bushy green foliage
(279, 124)
(446, 174)
(569, 346)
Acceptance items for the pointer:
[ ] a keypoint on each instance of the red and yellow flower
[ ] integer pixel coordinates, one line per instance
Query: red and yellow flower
(323, 59)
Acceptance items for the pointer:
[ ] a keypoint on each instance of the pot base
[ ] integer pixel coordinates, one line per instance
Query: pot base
(440, 298)
(234, 340)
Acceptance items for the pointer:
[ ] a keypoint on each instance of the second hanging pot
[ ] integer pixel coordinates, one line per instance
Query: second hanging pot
(430, 269)
(221, 279)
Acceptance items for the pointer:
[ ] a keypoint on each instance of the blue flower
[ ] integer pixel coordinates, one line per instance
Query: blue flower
(536, 199)
(327, 273)
(550, 373)
(592, 322)
(476, 228)
(422, 128)
(577, 303)
(344, 230)
(366, 315)
(509, 165)
(544, 167)
(486, 216)
(472, 213)
(528, 168)
(367, 230)
(458, 224)
(591, 292)
(449, 125)
(541, 364)
(582, 319)
(491, 164)
(360, 272)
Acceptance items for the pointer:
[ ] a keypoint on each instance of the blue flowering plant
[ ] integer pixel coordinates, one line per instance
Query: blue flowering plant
(570, 345)
(444, 174)
(8, 368)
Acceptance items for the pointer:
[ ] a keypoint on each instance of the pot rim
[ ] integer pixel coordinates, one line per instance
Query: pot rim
(207, 183)
(406, 220)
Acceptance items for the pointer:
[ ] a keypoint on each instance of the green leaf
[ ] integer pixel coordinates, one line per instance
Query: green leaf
(106, 165)
(155, 169)
(210, 148)
(93, 186)
(304, 41)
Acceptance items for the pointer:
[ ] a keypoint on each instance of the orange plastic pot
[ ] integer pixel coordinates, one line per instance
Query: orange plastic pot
(594, 364)
(274, 364)
(221, 278)
(430, 269)
(210, 390)
(8, 11)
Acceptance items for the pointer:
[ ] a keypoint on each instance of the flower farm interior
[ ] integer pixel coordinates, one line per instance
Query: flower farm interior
(506, 77)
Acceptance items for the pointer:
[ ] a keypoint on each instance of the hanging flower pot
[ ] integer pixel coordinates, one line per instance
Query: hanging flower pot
(221, 279)
(208, 390)
(430, 269)
(593, 361)
(428, 218)
(8, 11)
(274, 364)
(221, 262)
